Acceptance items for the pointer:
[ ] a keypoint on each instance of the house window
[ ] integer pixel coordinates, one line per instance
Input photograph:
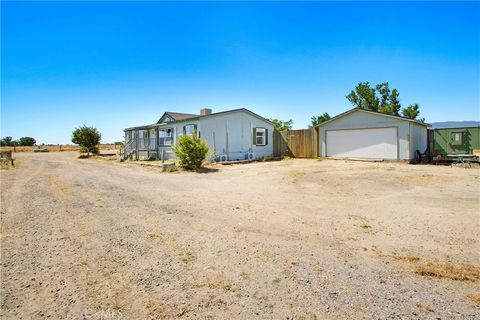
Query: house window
(145, 138)
(457, 138)
(260, 135)
(189, 129)
(165, 137)
(142, 139)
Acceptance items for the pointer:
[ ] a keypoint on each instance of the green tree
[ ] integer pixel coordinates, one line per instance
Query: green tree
(388, 100)
(380, 99)
(280, 125)
(364, 97)
(190, 151)
(6, 142)
(88, 138)
(319, 119)
(27, 141)
(412, 112)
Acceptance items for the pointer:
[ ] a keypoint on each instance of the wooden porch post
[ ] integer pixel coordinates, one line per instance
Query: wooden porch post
(157, 139)
(136, 145)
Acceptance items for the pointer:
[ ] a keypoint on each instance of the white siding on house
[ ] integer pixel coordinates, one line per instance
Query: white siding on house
(238, 125)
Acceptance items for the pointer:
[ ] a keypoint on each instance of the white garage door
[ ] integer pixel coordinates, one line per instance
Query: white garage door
(378, 143)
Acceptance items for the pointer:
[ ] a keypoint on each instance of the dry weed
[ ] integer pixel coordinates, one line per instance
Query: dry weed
(153, 234)
(424, 308)
(459, 271)
(363, 221)
(296, 173)
(407, 258)
(187, 257)
(474, 298)
(212, 280)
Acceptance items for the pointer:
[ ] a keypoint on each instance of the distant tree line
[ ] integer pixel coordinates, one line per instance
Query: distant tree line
(23, 141)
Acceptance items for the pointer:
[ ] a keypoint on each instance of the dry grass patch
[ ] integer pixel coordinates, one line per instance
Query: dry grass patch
(364, 223)
(459, 271)
(424, 180)
(296, 172)
(187, 257)
(60, 187)
(424, 308)
(152, 234)
(407, 258)
(212, 280)
(474, 298)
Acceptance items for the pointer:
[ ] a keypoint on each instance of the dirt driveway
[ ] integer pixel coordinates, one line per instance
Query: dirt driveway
(296, 239)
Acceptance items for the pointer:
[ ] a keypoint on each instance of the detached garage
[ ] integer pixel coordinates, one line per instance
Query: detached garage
(360, 133)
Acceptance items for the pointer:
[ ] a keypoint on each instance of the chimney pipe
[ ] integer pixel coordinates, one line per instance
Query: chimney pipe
(205, 111)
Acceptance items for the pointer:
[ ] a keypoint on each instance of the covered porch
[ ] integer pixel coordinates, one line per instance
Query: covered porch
(149, 143)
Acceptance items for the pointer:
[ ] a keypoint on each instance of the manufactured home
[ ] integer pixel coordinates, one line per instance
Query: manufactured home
(238, 134)
(360, 133)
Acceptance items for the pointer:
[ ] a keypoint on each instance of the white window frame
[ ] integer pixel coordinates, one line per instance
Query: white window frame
(261, 133)
(188, 126)
(167, 138)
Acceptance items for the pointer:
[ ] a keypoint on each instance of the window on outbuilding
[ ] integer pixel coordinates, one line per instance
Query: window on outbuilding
(457, 138)
(260, 136)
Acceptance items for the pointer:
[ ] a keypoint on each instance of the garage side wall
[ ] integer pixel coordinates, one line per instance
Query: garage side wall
(363, 120)
(418, 138)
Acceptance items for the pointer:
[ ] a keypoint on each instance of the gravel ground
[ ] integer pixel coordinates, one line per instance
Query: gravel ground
(296, 239)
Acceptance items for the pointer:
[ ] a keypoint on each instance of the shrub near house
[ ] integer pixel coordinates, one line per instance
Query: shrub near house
(190, 151)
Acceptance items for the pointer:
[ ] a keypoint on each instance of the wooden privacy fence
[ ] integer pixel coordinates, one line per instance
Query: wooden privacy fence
(296, 143)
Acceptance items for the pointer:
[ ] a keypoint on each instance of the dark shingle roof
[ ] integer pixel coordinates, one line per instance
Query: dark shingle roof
(181, 116)
(185, 116)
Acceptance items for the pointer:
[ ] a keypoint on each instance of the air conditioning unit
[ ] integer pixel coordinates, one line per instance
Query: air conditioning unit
(222, 158)
(249, 156)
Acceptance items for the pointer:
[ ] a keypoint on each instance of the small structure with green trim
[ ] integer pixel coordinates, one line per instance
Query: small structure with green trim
(449, 141)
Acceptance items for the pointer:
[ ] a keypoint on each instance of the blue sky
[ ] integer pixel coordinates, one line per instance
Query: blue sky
(119, 64)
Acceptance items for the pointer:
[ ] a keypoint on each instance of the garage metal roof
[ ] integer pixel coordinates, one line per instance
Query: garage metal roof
(374, 112)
